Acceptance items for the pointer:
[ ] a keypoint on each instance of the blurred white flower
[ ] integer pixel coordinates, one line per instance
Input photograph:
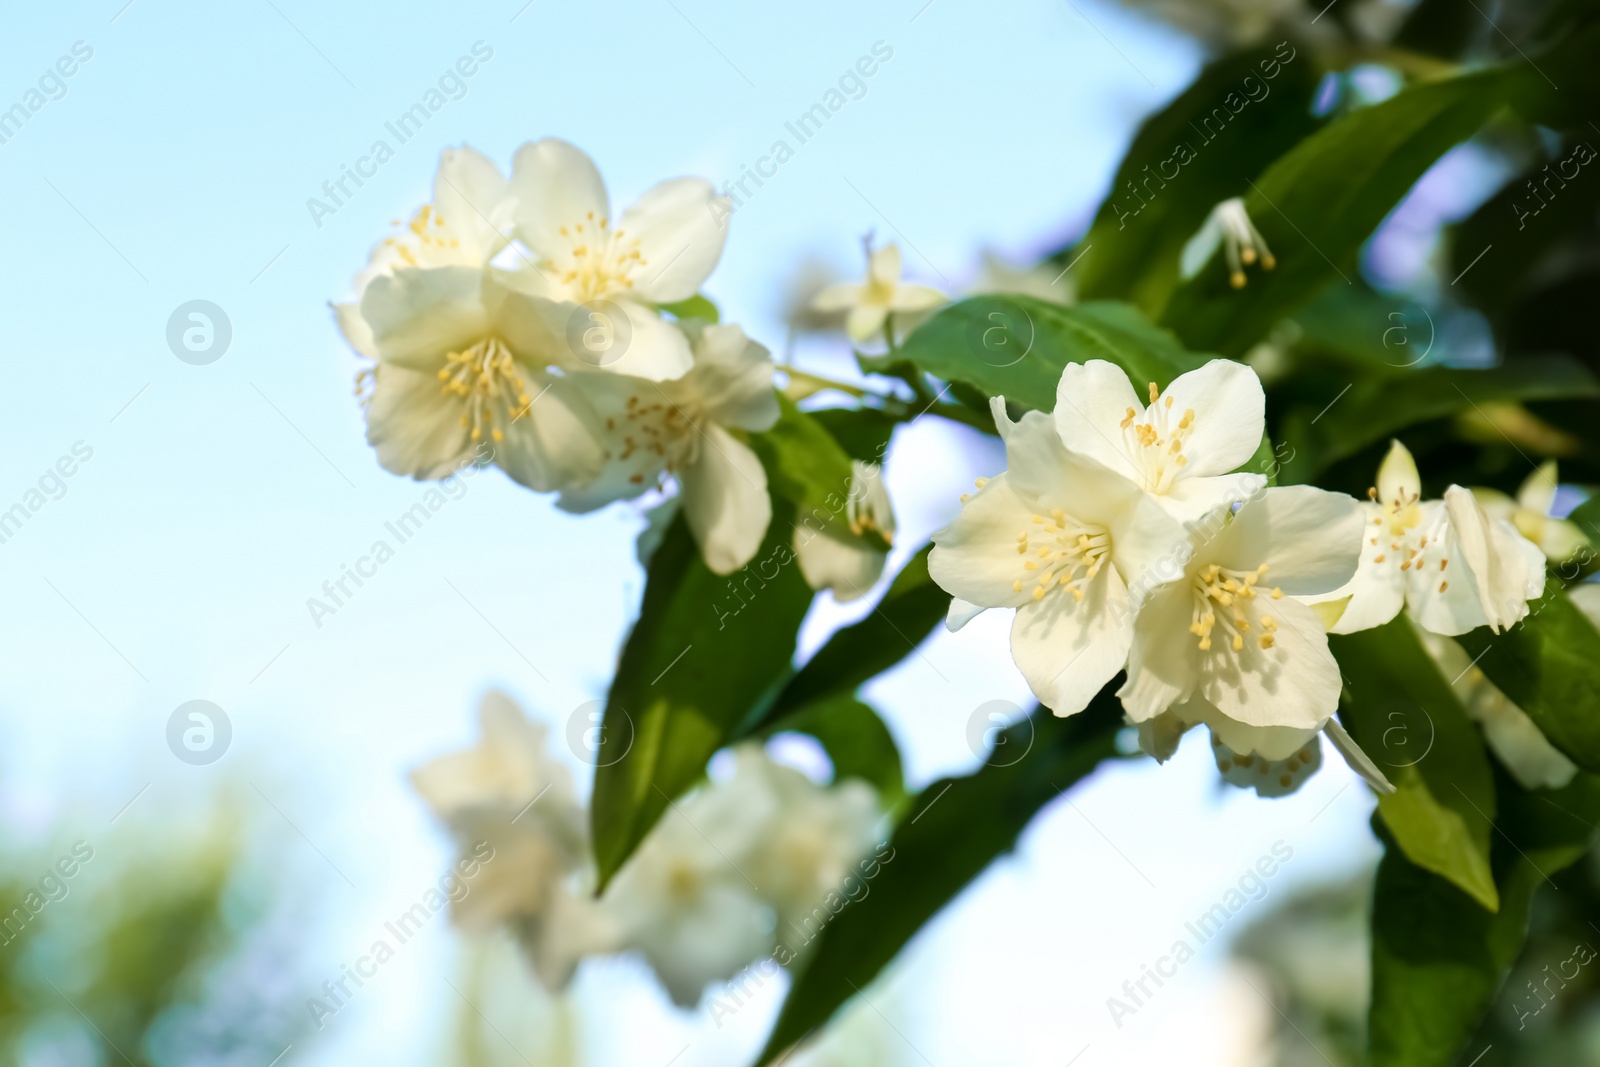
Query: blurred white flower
(506, 792)
(1527, 754)
(1558, 539)
(883, 293)
(1447, 561)
(702, 894)
(1060, 538)
(1228, 225)
(1181, 447)
(660, 251)
(681, 429)
(849, 567)
(1232, 631)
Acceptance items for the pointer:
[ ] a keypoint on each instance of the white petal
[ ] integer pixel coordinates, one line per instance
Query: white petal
(1538, 492)
(679, 238)
(1068, 649)
(554, 443)
(1295, 683)
(618, 336)
(1199, 249)
(1309, 538)
(1397, 475)
(555, 185)
(470, 196)
(1091, 401)
(355, 329)
(915, 298)
(883, 266)
(865, 320)
(415, 428)
(975, 557)
(1377, 591)
(1272, 743)
(1163, 661)
(732, 379)
(961, 613)
(420, 316)
(625, 473)
(835, 563)
(725, 500)
(1230, 415)
(1193, 499)
(839, 297)
(1562, 540)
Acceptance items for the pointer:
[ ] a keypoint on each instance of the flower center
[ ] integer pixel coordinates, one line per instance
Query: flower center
(598, 261)
(1226, 599)
(486, 377)
(1156, 438)
(427, 235)
(1066, 553)
(656, 436)
(1400, 540)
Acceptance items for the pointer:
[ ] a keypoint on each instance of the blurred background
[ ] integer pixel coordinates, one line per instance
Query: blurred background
(209, 901)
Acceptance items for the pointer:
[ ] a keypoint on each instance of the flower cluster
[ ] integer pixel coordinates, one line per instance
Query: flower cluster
(740, 870)
(1127, 541)
(521, 314)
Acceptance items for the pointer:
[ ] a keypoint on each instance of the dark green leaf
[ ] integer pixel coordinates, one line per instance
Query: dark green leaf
(856, 740)
(954, 829)
(1549, 665)
(863, 433)
(1316, 205)
(1157, 202)
(1404, 715)
(1437, 957)
(705, 651)
(1016, 346)
(911, 607)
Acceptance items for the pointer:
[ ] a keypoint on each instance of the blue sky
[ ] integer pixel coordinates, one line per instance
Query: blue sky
(176, 565)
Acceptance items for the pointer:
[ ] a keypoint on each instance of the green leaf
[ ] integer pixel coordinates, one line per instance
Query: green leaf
(911, 607)
(1549, 665)
(1316, 205)
(706, 649)
(808, 468)
(1403, 713)
(954, 830)
(856, 740)
(863, 433)
(696, 307)
(1587, 516)
(1016, 346)
(1158, 202)
(1437, 957)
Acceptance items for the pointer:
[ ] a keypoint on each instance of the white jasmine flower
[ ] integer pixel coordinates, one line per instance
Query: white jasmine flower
(507, 800)
(1181, 446)
(1532, 760)
(464, 364)
(1228, 225)
(462, 227)
(811, 846)
(650, 431)
(1231, 631)
(850, 567)
(870, 304)
(661, 250)
(1446, 560)
(1558, 539)
(1060, 538)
